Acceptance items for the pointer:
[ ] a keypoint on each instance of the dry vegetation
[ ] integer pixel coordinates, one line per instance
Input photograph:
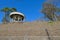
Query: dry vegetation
(36, 28)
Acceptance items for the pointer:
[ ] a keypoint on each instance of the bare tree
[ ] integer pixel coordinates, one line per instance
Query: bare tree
(48, 10)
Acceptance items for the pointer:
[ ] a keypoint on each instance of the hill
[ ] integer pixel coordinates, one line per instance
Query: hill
(38, 30)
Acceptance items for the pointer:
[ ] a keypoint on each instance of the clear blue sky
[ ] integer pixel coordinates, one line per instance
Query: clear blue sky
(30, 8)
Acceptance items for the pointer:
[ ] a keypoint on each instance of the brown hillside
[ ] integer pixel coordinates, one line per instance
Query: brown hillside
(37, 28)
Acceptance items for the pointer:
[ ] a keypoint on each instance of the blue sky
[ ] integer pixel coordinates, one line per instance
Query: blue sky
(30, 8)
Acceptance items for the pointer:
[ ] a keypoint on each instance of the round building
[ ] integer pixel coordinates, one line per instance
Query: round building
(17, 16)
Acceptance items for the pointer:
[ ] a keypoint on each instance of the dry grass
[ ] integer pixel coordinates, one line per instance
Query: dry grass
(36, 28)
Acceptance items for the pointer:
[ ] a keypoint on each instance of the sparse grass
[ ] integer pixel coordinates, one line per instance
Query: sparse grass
(51, 23)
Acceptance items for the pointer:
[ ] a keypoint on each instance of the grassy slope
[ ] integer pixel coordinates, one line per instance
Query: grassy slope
(30, 28)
